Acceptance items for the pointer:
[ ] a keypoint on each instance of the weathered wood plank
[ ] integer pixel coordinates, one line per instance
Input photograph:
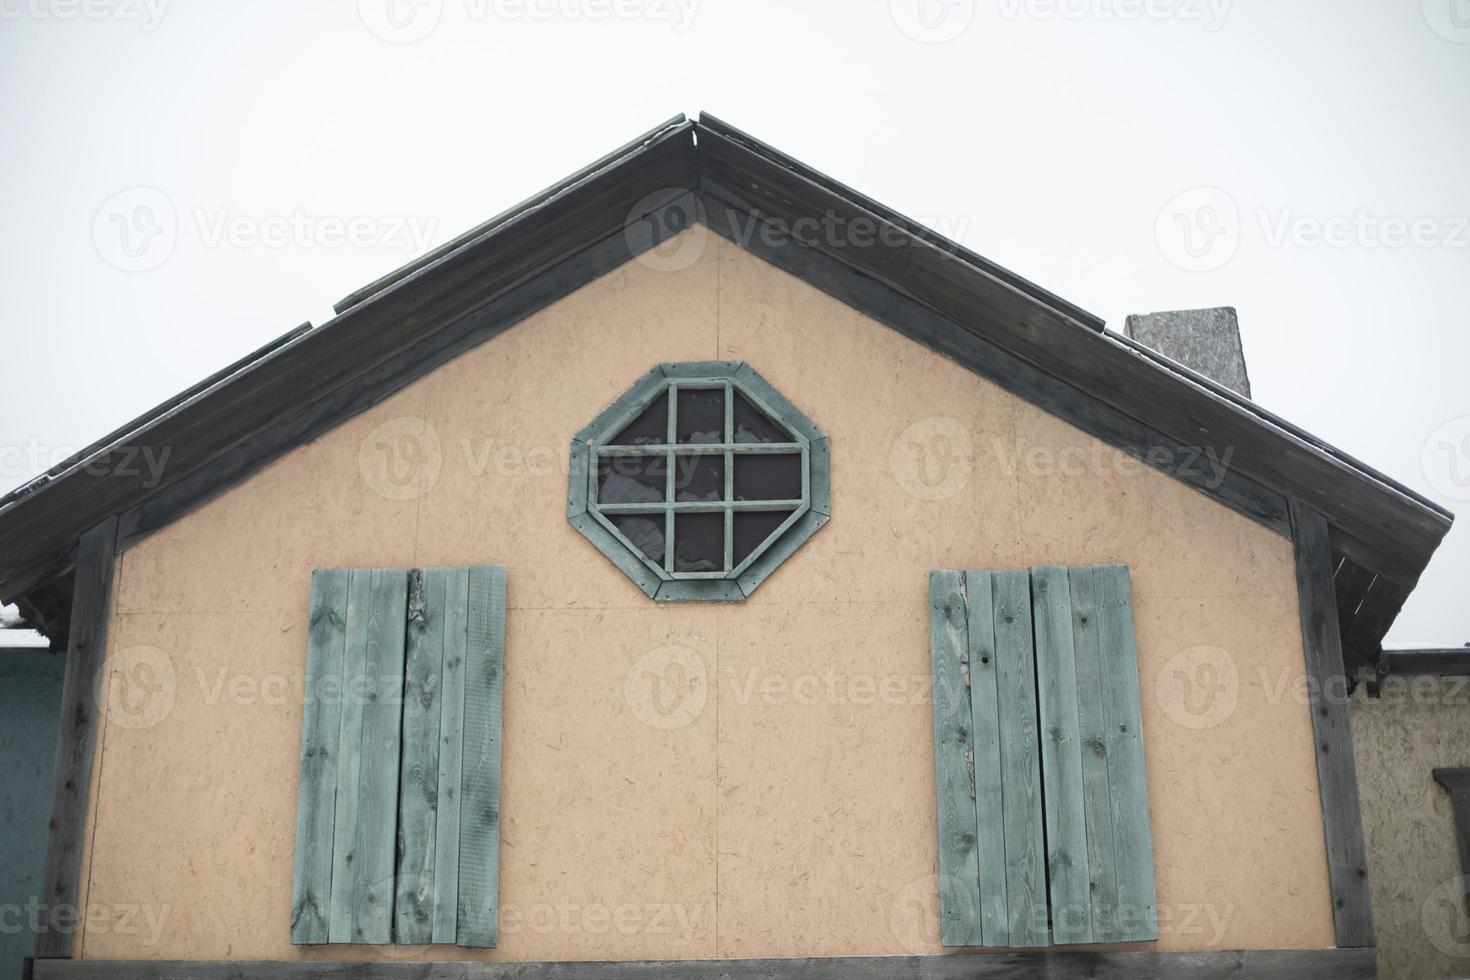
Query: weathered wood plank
(479, 830)
(1020, 759)
(349, 757)
(1092, 729)
(954, 783)
(76, 742)
(451, 755)
(418, 781)
(1347, 865)
(321, 733)
(1254, 964)
(376, 842)
(1061, 757)
(1133, 856)
(990, 840)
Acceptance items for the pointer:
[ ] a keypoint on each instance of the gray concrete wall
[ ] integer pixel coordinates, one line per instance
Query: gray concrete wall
(1416, 725)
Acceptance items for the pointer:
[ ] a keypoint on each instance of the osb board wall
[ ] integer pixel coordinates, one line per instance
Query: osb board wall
(700, 780)
(1415, 726)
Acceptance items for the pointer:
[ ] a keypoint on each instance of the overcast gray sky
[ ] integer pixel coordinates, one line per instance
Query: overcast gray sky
(1306, 162)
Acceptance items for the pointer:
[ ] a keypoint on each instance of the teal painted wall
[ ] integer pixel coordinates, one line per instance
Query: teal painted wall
(30, 707)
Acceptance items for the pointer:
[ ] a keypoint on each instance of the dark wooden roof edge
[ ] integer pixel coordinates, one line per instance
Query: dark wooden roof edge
(1425, 661)
(405, 323)
(121, 433)
(1044, 296)
(1271, 418)
(527, 207)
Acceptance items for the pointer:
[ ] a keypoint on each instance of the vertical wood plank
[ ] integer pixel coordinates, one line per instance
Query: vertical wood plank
(1093, 732)
(76, 741)
(349, 757)
(479, 830)
(959, 887)
(321, 731)
(418, 784)
(1347, 867)
(1020, 759)
(451, 755)
(990, 840)
(1133, 858)
(1061, 757)
(376, 842)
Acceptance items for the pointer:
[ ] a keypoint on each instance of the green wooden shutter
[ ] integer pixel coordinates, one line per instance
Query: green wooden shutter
(1036, 687)
(400, 761)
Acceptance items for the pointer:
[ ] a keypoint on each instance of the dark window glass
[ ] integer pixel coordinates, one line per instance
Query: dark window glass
(701, 415)
(699, 477)
(752, 528)
(632, 479)
(699, 542)
(765, 476)
(752, 425)
(646, 531)
(650, 428)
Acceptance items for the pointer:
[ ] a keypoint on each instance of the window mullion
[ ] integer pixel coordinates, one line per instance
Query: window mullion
(671, 465)
(729, 476)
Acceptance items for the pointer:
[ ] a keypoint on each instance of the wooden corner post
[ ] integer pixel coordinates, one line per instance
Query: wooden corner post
(76, 742)
(1347, 862)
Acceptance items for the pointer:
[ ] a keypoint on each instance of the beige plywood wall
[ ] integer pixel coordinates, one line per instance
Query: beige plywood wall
(698, 780)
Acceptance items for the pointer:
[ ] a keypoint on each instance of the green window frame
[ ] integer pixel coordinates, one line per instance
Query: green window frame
(689, 486)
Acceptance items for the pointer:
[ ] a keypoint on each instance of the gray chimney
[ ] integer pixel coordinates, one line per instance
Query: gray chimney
(1207, 341)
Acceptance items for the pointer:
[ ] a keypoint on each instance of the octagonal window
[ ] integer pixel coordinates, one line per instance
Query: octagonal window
(699, 481)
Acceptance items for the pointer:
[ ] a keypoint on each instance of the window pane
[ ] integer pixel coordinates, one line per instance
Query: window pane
(632, 479)
(649, 428)
(767, 477)
(699, 478)
(699, 542)
(752, 425)
(702, 415)
(752, 528)
(646, 531)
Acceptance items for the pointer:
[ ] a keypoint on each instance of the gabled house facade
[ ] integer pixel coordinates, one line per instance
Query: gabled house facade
(703, 563)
